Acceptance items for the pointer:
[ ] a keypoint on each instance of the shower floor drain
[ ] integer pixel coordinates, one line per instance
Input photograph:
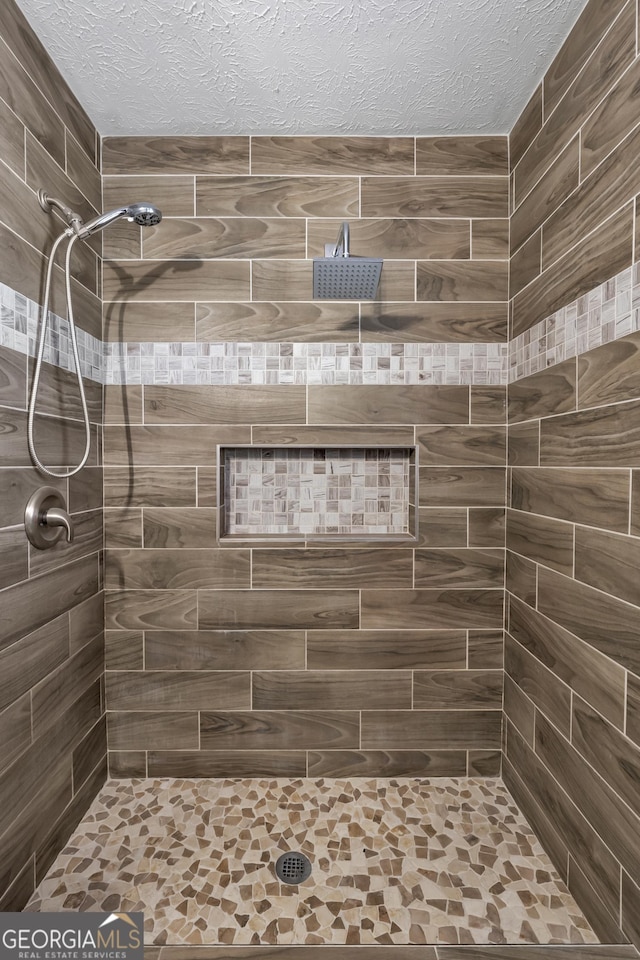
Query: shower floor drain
(293, 867)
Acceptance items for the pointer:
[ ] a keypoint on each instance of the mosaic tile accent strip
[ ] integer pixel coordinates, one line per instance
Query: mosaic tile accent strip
(609, 312)
(306, 363)
(19, 324)
(394, 862)
(316, 491)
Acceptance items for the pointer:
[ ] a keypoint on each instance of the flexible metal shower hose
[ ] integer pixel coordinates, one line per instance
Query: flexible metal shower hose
(41, 347)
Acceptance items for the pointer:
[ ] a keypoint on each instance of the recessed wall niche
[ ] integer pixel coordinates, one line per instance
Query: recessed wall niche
(317, 493)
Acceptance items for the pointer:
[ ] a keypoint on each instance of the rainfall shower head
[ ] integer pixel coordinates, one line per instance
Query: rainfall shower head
(143, 213)
(339, 276)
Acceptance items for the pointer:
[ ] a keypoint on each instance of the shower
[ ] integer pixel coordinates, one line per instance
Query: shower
(143, 213)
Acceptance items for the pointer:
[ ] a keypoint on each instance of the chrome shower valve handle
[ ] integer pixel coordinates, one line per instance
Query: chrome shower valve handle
(46, 518)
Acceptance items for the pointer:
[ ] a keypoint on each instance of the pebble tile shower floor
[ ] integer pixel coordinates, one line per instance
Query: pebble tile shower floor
(398, 861)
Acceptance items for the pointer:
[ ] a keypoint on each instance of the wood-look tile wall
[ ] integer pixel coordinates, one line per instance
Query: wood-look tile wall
(572, 662)
(52, 724)
(285, 659)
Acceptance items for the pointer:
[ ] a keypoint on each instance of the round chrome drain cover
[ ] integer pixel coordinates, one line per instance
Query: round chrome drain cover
(293, 867)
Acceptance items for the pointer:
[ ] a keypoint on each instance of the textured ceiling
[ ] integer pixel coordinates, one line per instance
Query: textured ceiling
(415, 67)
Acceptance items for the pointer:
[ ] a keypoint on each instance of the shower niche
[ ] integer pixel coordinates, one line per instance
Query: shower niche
(317, 493)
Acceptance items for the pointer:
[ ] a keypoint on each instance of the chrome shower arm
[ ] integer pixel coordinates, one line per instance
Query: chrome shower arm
(49, 204)
(341, 248)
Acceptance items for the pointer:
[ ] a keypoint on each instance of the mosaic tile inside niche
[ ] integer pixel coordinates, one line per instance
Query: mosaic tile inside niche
(316, 491)
(400, 861)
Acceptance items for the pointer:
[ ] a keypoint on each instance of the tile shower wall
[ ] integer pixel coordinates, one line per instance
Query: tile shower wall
(279, 659)
(52, 727)
(572, 695)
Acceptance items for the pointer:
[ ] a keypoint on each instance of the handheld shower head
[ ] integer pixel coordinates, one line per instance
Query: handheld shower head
(145, 214)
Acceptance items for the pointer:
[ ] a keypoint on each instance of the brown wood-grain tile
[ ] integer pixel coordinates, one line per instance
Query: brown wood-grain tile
(152, 731)
(167, 445)
(482, 196)
(146, 609)
(487, 527)
(396, 239)
(603, 923)
(58, 691)
(526, 127)
(279, 321)
(630, 908)
(600, 437)
(608, 624)
(331, 690)
(609, 562)
(462, 445)
(519, 709)
(614, 821)
(123, 403)
(124, 650)
(610, 60)
(633, 709)
(13, 377)
(127, 763)
(388, 404)
(14, 556)
(442, 527)
(87, 540)
(173, 194)
(31, 603)
(280, 730)
(179, 527)
(549, 193)
(174, 155)
(470, 568)
(576, 831)
(325, 568)
(541, 539)
(86, 621)
(544, 394)
(595, 497)
(332, 155)
(614, 116)
(431, 729)
(476, 280)
(161, 486)
(277, 196)
(328, 435)
(615, 183)
(608, 751)
(593, 676)
(227, 764)
(16, 486)
(523, 444)
(434, 321)
(490, 239)
(456, 156)
(387, 763)
(28, 661)
(142, 322)
(416, 609)
(171, 280)
(247, 403)
(177, 690)
(526, 264)
(240, 238)
(521, 578)
(12, 137)
(224, 649)
(387, 649)
(609, 374)
(488, 403)
(279, 609)
(549, 695)
(461, 689)
(601, 255)
(15, 730)
(168, 569)
(59, 441)
(462, 486)
(486, 649)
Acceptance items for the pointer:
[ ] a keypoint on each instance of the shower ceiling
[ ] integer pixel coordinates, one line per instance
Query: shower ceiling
(324, 67)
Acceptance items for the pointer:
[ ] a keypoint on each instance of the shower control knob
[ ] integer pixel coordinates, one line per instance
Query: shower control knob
(46, 518)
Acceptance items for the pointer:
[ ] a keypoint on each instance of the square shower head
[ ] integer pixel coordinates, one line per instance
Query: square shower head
(346, 278)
